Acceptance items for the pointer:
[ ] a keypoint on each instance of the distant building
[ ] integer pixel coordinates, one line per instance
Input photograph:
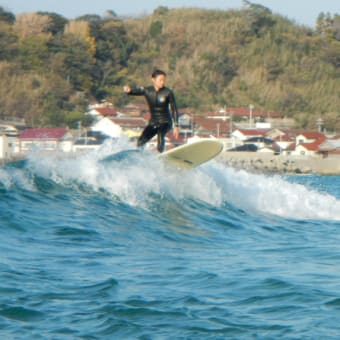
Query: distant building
(130, 126)
(102, 112)
(107, 127)
(244, 134)
(8, 147)
(310, 137)
(307, 143)
(8, 130)
(207, 127)
(307, 149)
(330, 147)
(45, 139)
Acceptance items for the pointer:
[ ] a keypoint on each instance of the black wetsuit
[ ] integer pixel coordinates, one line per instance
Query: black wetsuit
(160, 103)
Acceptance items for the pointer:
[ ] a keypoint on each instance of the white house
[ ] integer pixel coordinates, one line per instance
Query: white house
(8, 130)
(310, 137)
(244, 134)
(8, 146)
(307, 149)
(330, 147)
(48, 139)
(108, 127)
(97, 113)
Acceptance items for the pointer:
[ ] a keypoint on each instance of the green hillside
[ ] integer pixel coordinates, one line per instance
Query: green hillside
(51, 67)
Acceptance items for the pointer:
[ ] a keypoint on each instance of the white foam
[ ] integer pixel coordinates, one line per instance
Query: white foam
(275, 195)
(138, 180)
(15, 177)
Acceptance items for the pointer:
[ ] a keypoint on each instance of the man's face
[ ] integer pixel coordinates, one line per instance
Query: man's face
(159, 81)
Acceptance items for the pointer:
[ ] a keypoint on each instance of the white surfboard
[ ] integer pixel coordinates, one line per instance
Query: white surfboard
(191, 155)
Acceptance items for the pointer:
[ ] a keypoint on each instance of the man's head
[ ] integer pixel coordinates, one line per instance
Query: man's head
(158, 79)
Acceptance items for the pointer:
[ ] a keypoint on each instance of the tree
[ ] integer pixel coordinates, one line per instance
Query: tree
(81, 29)
(6, 16)
(336, 24)
(73, 60)
(110, 15)
(57, 22)
(34, 52)
(8, 42)
(156, 29)
(31, 24)
(112, 54)
(161, 10)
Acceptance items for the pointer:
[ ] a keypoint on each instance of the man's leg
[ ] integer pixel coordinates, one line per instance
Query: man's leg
(146, 135)
(162, 131)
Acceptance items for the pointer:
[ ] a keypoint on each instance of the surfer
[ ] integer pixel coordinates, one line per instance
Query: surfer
(161, 101)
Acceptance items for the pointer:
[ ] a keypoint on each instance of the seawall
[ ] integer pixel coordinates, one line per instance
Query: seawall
(261, 162)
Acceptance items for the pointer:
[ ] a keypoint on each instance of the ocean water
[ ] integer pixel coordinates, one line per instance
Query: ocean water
(132, 249)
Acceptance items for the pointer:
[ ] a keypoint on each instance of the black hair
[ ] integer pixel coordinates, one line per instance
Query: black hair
(157, 73)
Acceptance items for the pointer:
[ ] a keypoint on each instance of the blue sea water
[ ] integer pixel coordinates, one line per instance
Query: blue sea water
(133, 249)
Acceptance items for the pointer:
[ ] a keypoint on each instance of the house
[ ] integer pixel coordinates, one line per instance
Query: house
(307, 143)
(244, 134)
(185, 120)
(107, 127)
(330, 147)
(260, 142)
(244, 113)
(284, 140)
(310, 137)
(307, 149)
(135, 109)
(130, 126)
(8, 130)
(102, 112)
(206, 127)
(45, 139)
(8, 146)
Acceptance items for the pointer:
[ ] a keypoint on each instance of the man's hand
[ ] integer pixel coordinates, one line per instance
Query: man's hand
(127, 89)
(176, 132)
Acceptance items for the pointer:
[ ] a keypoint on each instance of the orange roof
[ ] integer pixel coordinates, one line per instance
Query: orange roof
(106, 111)
(313, 135)
(254, 132)
(311, 146)
(212, 125)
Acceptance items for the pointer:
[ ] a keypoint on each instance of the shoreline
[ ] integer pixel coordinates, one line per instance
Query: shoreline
(265, 163)
(269, 163)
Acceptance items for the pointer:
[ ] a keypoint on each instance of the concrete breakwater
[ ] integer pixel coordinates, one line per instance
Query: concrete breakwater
(259, 162)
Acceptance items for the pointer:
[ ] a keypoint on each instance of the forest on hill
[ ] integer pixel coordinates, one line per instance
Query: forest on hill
(52, 67)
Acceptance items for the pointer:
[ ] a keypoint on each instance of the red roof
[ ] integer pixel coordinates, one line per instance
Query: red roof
(130, 122)
(106, 111)
(43, 133)
(254, 132)
(311, 146)
(244, 111)
(284, 138)
(291, 147)
(313, 135)
(212, 125)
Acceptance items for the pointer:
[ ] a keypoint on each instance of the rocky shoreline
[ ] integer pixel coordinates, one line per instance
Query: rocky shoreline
(268, 163)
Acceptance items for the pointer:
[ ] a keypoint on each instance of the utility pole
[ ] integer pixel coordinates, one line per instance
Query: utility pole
(251, 107)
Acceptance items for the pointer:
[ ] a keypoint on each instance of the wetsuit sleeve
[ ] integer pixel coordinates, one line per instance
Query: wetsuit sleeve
(173, 108)
(137, 91)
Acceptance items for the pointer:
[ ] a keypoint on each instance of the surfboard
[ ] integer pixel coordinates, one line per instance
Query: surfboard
(191, 155)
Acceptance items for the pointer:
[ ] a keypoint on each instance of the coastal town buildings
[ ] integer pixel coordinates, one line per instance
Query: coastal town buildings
(47, 139)
(232, 126)
(8, 146)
